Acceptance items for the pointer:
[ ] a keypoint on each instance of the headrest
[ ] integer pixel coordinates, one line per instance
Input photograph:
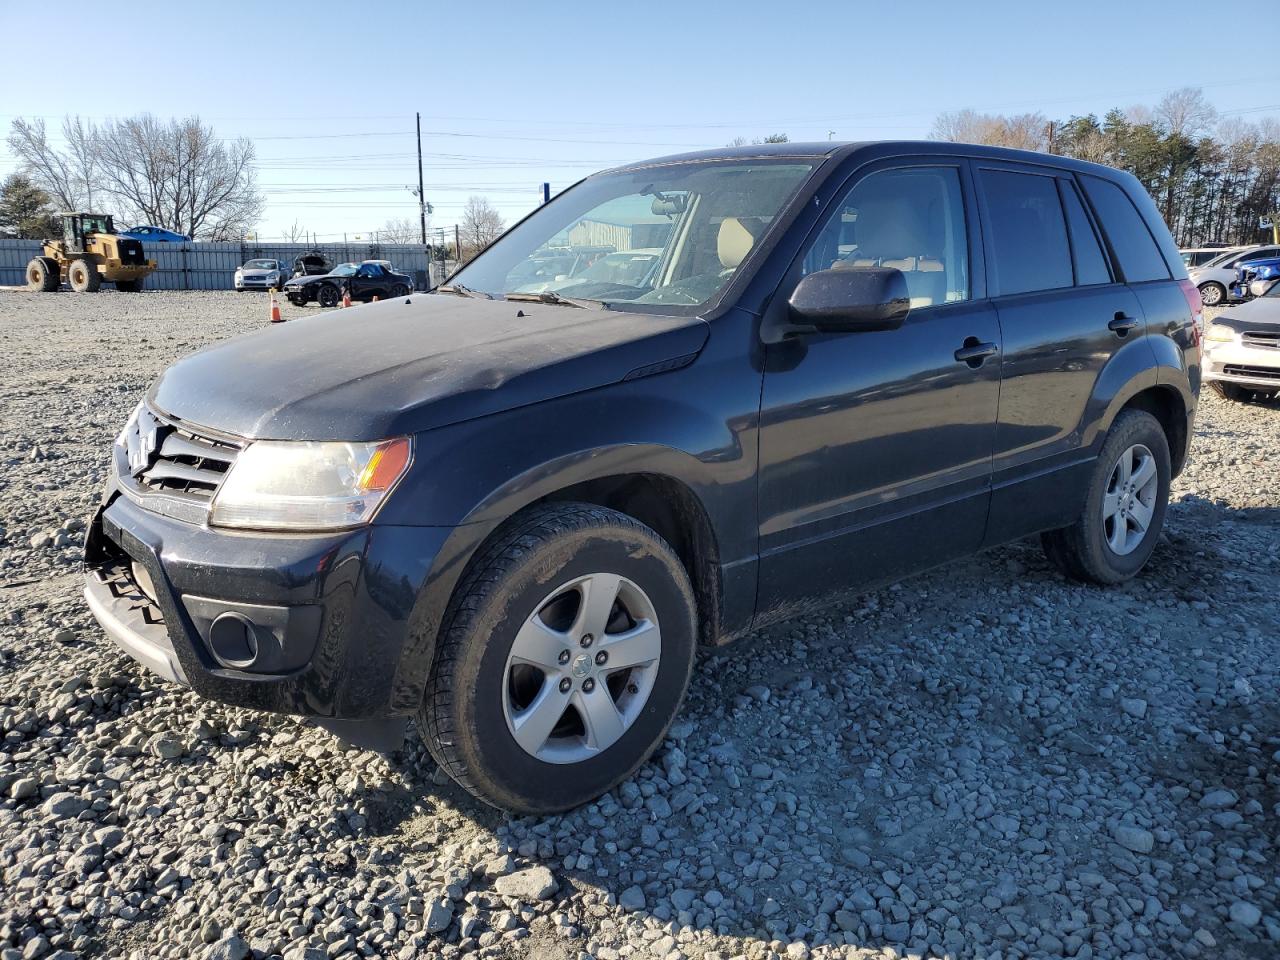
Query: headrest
(890, 228)
(736, 238)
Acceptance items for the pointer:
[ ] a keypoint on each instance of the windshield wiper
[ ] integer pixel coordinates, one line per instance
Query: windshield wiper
(462, 291)
(550, 296)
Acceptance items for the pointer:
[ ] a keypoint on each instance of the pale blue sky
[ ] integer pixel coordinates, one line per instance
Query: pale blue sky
(513, 94)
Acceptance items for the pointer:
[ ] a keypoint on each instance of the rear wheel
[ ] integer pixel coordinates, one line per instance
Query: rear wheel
(1212, 293)
(563, 657)
(42, 275)
(1125, 506)
(130, 286)
(83, 276)
(328, 295)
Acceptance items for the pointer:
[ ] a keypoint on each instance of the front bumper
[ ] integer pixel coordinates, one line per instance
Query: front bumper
(257, 283)
(1237, 362)
(330, 626)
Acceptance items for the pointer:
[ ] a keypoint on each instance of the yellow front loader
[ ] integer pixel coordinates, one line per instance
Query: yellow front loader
(88, 253)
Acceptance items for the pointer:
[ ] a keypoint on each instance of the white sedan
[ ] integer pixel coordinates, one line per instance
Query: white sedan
(1242, 350)
(261, 275)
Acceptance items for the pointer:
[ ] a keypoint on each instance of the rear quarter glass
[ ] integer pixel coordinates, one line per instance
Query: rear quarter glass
(1139, 239)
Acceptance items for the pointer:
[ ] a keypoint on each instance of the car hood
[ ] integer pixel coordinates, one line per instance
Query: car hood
(1260, 312)
(309, 277)
(404, 366)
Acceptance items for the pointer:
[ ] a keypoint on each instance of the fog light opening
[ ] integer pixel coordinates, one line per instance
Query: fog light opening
(233, 640)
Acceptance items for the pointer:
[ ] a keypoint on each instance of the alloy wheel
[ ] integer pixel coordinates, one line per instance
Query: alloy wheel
(1129, 503)
(581, 668)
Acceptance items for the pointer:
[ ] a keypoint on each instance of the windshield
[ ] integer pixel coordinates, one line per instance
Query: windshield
(97, 224)
(345, 270)
(1222, 258)
(670, 235)
(261, 265)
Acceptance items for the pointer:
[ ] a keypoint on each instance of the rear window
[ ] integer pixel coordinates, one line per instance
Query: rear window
(1028, 232)
(1134, 248)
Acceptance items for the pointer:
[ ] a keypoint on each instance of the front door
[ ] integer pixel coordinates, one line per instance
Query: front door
(875, 448)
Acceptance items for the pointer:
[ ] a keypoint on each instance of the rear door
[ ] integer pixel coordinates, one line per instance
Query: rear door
(1064, 314)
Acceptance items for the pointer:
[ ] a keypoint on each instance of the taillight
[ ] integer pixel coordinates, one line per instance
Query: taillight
(1192, 294)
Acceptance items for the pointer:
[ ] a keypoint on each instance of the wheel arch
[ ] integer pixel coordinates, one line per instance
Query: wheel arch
(663, 496)
(1165, 404)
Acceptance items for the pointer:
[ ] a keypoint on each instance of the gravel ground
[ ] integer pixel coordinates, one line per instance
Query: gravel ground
(987, 761)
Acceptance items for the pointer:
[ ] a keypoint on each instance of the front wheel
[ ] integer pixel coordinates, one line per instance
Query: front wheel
(563, 657)
(1124, 510)
(1212, 293)
(328, 296)
(83, 276)
(43, 274)
(399, 290)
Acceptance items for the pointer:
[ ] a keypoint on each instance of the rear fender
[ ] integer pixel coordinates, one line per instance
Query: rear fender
(1131, 369)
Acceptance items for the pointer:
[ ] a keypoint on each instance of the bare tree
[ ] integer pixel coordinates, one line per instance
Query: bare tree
(400, 230)
(176, 174)
(1027, 131)
(296, 233)
(1186, 113)
(67, 175)
(480, 226)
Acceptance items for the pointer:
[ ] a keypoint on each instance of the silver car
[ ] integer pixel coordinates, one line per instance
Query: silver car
(1242, 350)
(1214, 279)
(261, 275)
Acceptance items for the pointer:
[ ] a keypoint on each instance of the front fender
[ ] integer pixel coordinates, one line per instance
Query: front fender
(695, 426)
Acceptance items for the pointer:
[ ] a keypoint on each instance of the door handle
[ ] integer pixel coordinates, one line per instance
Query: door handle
(1121, 324)
(975, 352)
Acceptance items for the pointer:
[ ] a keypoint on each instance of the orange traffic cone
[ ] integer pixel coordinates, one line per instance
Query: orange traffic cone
(274, 313)
(346, 298)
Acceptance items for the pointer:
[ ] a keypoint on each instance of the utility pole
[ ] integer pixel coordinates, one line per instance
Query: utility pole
(422, 196)
(1051, 136)
(457, 243)
(546, 193)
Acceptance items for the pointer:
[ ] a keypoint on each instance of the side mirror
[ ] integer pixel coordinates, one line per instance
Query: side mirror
(851, 300)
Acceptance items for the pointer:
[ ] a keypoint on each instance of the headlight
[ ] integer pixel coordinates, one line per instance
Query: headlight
(289, 485)
(1220, 333)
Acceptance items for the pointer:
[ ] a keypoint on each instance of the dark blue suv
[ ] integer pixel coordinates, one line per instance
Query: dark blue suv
(516, 514)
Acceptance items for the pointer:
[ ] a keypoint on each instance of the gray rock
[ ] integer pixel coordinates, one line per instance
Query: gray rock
(632, 898)
(167, 746)
(1134, 706)
(228, 948)
(534, 884)
(438, 916)
(1219, 799)
(63, 804)
(1134, 838)
(1245, 914)
(26, 787)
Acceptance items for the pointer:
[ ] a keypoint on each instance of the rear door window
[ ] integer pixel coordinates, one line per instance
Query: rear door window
(1090, 261)
(1135, 249)
(1029, 249)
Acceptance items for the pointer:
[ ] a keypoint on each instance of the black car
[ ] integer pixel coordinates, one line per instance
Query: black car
(515, 516)
(371, 280)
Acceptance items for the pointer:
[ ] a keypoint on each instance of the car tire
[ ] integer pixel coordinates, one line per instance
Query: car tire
(1124, 509)
(480, 717)
(399, 290)
(43, 275)
(1212, 293)
(83, 276)
(130, 286)
(328, 295)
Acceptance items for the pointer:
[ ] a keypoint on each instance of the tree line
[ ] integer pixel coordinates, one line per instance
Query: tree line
(1211, 177)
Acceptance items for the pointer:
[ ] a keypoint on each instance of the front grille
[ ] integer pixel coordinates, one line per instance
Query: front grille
(130, 251)
(1257, 373)
(165, 457)
(1261, 338)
